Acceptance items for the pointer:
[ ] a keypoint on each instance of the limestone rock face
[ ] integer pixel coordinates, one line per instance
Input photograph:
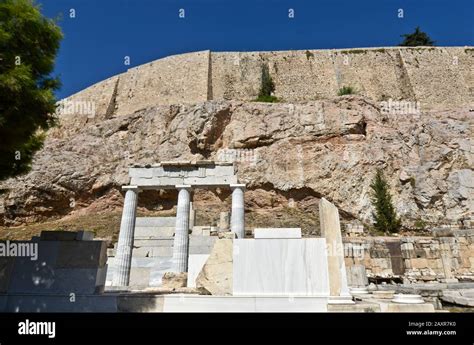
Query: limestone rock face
(174, 280)
(288, 154)
(216, 275)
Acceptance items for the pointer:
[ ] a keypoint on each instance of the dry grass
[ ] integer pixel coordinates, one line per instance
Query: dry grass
(106, 225)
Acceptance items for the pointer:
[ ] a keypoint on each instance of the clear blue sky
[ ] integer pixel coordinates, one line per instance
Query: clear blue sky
(104, 31)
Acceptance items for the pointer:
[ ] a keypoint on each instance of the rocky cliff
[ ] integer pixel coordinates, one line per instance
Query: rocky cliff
(289, 153)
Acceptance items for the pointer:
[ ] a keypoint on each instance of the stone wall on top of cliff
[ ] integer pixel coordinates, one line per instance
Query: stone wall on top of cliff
(437, 77)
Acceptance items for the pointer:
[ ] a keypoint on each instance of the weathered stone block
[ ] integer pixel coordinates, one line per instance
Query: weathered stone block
(6, 268)
(78, 254)
(173, 280)
(216, 274)
(419, 263)
(202, 240)
(58, 236)
(139, 276)
(382, 263)
(84, 236)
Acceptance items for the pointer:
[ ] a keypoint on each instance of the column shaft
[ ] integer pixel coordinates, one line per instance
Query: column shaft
(181, 236)
(237, 218)
(123, 258)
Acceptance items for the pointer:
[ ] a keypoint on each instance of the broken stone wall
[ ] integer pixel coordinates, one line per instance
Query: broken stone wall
(414, 258)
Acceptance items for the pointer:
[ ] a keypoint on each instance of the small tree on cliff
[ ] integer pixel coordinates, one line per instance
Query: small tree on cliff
(267, 87)
(28, 47)
(417, 38)
(385, 216)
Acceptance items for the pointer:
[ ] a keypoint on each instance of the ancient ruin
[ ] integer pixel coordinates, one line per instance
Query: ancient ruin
(203, 200)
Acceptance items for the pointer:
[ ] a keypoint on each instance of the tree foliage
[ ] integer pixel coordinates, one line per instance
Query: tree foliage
(29, 44)
(385, 216)
(417, 38)
(267, 87)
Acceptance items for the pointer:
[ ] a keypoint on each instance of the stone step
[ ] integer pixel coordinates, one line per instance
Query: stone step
(202, 240)
(152, 252)
(157, 263)
(166, 242)
(148, 231)
(155, 222)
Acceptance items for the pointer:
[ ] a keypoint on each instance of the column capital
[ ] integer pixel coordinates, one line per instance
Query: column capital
(237, 185)
(183, 186)
(134, 188)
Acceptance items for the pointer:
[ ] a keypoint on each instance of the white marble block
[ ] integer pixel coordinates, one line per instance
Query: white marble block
(195, 264)
(277, 233)
(276, 267)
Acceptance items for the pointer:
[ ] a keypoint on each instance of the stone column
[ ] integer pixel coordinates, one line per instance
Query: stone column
(237, 218)
(224, 221)
(331, 230)
(123, 259)
(192, 216)
(181, 235)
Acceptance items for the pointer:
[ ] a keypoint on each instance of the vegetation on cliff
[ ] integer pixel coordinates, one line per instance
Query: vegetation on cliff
(267, 87)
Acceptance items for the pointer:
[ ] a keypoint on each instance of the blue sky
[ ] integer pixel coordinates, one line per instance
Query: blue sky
(105, 31)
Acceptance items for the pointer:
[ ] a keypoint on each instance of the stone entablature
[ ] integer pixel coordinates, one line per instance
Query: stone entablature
(167, 175)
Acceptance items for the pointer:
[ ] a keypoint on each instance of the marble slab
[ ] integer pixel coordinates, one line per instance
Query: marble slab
(276, 267)
(195, 303)
(277, 233)
(195, 264)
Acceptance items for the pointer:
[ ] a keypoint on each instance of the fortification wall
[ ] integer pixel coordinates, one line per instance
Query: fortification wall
(440, 76)
(436, 77)
(172, 80)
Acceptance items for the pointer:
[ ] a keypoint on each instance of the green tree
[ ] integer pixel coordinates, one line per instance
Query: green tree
(417, 38)
(267, 87)
(29, 43)
(385, 216)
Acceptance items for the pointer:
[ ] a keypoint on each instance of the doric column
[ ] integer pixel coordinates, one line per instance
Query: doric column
(192, 216)
(237, 217)
(181, 235)
(123, 258)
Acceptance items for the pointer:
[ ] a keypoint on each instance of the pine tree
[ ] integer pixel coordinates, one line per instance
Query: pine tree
(417, 38)
(29, 43)
(267, 87)
(385, 216)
